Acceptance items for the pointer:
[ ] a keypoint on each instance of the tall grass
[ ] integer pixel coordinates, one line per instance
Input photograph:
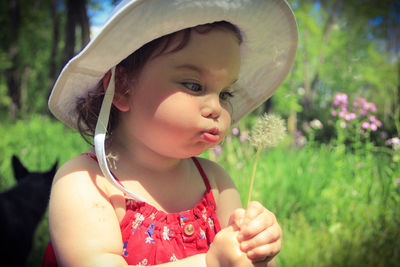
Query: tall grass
(337, 206)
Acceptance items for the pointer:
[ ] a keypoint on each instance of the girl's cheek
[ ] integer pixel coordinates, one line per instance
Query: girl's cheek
(227, 124)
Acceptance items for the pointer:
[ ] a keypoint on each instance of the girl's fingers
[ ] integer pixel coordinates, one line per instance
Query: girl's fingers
(258, 224)
(267, 250)
(236, 219)
(268, 236)
(253, 210)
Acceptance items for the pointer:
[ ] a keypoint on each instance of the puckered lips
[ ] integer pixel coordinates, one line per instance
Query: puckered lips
(211, 136)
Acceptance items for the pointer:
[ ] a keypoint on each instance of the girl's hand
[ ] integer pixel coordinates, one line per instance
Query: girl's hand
(260, 235)
(225, 249)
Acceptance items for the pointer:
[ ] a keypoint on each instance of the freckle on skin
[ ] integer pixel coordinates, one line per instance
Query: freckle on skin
(98, 205)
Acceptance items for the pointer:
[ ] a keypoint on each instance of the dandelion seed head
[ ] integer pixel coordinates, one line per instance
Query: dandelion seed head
(268, 131)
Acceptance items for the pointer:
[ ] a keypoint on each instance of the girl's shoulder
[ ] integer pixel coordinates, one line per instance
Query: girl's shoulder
(79, 163)
(81, 171)
(216, 174)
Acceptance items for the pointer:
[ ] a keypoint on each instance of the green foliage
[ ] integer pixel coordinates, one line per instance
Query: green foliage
(347, 54)
(39, 142)
(32, 40)
(337, 205)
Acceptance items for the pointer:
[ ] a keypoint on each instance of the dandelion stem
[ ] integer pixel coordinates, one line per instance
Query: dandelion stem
(253, 173)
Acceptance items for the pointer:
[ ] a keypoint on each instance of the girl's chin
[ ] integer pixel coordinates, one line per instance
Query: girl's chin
(198, 152)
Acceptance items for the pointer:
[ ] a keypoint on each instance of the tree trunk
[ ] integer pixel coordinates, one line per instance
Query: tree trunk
(24, 89)
(53, 66)
(84, 23)
(69, 48)
(76, 16)
(12, 75)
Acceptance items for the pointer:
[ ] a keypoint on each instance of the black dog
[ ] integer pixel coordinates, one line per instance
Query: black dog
(21, 209)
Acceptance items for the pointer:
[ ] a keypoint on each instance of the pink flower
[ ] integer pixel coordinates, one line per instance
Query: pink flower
(372, 107)
(365, 125)
(243, 137)
(394, 142)
(216, 151)
(340, 100)
(350, 116)
(333, 113)
(375, 121)
(235, 131)
(363, 112)
(373, 127)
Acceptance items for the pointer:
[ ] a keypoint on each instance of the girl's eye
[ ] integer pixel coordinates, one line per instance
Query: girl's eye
(195, 87)
(225, 95)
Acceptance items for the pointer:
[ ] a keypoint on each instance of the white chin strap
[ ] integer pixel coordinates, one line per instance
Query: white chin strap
(100, 135)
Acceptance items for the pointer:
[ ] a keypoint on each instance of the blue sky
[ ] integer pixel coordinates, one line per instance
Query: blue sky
(98, 17)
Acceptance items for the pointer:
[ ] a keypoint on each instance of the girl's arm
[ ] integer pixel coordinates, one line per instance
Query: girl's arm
(83, 225)
(85, 230)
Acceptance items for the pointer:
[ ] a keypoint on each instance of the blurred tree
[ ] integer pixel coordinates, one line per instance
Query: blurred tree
(53, 63)
(77, 19)
(11, 74)
(350, 46)
(30, 49)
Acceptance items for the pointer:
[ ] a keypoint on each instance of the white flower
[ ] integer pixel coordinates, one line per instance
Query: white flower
(268, 131)
(316, 124)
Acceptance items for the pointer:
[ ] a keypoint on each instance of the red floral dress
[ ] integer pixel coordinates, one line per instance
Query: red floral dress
(151, 236)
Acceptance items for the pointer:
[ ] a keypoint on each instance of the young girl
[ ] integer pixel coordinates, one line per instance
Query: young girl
(159, 85)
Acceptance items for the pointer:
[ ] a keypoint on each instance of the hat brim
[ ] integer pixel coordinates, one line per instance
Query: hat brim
(268, 50)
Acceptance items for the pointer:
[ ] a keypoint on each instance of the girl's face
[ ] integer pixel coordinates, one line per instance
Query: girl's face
(179, 105)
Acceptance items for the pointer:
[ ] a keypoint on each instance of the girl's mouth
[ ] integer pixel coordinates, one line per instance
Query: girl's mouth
(211, 136)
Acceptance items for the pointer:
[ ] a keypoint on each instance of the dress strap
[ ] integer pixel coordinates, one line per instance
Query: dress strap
(202, 172)
(93, 156)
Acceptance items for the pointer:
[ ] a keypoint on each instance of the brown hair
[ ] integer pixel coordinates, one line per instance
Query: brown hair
(88, 108)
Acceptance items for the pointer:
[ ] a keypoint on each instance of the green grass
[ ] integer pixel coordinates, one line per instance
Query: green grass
(336, 206)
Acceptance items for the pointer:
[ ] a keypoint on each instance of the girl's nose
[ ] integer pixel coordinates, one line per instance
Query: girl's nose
(212, 107)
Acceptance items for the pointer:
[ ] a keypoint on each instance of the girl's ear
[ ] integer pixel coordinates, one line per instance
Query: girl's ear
(121, 99)
(106, 80)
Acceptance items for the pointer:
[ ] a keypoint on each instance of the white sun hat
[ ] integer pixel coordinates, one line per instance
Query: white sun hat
(268, 29)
